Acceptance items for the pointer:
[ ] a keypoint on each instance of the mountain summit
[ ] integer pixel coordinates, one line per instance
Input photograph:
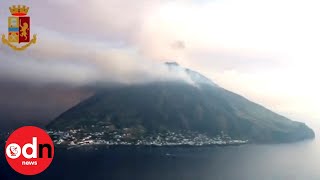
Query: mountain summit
(202, 107)
(194, 76)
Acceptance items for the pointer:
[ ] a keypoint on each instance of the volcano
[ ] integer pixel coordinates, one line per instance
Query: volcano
(197, 104)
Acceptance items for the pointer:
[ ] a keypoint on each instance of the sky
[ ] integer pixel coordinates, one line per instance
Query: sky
(265, 50)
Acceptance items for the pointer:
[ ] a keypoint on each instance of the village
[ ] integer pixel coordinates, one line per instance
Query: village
(78, 137)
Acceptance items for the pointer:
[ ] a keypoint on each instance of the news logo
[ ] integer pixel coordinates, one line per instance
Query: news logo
(29, 150)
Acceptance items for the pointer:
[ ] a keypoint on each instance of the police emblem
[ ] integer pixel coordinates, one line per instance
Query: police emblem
(19, 29)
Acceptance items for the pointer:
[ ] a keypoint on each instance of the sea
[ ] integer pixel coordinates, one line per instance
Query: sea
(295, 161)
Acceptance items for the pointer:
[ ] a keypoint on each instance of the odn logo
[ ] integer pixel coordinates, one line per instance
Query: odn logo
(29, 150)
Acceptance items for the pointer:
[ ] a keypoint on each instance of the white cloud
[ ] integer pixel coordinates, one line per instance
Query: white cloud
(59, 58)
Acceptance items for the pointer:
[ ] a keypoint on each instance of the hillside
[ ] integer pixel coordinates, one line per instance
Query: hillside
(201, 106)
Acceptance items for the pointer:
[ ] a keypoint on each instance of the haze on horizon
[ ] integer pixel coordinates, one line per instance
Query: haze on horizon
(264, 50)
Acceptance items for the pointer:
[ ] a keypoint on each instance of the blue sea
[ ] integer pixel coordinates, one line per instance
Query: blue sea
(297, 161)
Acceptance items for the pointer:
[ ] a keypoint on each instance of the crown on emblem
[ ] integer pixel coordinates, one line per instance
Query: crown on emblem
(19, 10)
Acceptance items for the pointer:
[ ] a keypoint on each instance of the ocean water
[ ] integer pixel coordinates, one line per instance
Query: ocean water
(297, 161)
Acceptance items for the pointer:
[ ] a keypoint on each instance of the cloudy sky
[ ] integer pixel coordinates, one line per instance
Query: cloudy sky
(265, 50)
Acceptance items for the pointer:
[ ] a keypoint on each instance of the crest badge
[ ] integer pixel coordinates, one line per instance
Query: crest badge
(19, 29)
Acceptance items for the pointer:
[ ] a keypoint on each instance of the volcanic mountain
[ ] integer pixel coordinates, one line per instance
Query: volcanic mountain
(196, 104)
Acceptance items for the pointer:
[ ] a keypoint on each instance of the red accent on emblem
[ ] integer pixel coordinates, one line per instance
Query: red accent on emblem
(19, 14)
(24, 29)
